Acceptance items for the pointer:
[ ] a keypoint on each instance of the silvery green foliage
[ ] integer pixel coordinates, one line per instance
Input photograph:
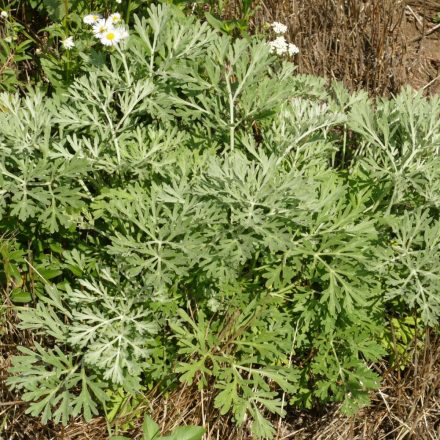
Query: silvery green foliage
(399, 147)
(398, 155)
(413, 267)
(224, 223)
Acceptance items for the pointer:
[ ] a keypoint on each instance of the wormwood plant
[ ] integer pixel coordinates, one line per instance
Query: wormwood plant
(219, 221)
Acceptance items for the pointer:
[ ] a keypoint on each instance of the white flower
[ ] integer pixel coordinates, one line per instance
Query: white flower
(91, 18)
(278, 46)
(4, 14)
(119, 1)
(101, 27)
(278, 28)
(114, 18)
(111, 37)
(68, 43)
(123, 33)
(281, 47)
(292, 49)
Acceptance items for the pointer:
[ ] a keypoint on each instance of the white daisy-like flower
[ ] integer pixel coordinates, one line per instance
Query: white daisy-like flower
(91, 19)
(292, 49)
(4, 14)
(114, 18)
(278, 46)
(68, 43)
(278, 28)
(101, 27)
(111, 37)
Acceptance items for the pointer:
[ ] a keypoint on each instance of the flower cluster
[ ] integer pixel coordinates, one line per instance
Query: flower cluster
(280, 46)
(279, 28)
(110, 31)
(68, 43)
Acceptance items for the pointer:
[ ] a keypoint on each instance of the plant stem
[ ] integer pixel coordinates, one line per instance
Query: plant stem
(231, 114)
(127, 13)
(66, 14)
(124, 62)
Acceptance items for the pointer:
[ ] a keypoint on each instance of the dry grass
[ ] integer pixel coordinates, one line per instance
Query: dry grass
(357, 42)
(367, 44)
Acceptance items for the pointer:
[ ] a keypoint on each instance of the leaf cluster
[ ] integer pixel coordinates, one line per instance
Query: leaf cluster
(212, 218)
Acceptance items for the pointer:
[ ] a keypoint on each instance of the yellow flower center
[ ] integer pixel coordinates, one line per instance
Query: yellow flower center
(111, 36)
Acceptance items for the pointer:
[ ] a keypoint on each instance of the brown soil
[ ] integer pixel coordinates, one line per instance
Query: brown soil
(423, 35)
